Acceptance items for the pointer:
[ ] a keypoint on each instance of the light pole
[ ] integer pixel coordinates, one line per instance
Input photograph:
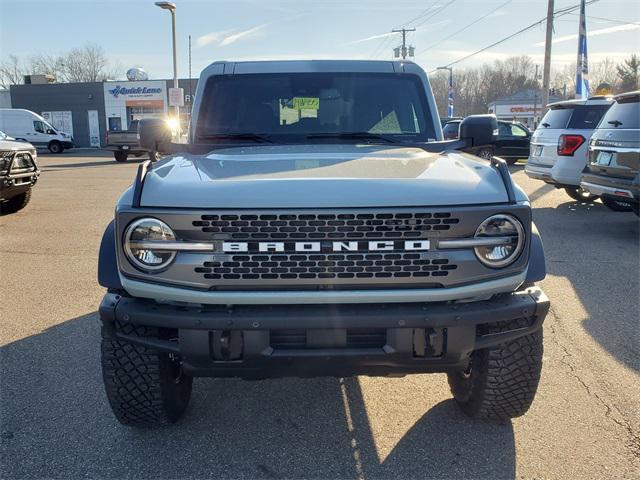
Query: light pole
(172, 8)
(450, 96)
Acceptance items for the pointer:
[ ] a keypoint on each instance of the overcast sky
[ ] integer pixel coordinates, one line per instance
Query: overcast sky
(137, 33)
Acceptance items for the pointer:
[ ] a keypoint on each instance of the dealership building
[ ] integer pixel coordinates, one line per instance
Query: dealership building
(88, 110)
(525, 107)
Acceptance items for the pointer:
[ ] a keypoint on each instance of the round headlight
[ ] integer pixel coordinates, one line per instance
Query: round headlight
(509, 244)
(143, 244)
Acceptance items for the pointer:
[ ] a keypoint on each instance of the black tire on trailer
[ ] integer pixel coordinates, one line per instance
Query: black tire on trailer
(580, 194)
(500, 382)
(120, 156)
(154, 155)
(145, 387)
(617, 205)
(55, 147)
(16, 203)
(511, 161)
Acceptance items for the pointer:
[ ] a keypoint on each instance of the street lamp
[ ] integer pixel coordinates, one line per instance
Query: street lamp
(450, 96)
(172, 8)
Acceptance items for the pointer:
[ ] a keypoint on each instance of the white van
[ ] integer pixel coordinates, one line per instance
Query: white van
(31, 127)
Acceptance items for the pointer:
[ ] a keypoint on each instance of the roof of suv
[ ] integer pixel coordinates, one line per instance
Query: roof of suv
(595, 100)
(303, 66)
(627, 95)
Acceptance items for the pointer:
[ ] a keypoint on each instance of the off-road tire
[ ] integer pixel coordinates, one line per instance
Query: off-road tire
(617, 205)
(120, 156)
(145, 387)
(501, 381)
(154, 156)
(16, 203)
(580, 194)
(55, 147)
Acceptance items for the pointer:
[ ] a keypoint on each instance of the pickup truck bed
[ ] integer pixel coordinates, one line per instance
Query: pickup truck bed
(126, 142)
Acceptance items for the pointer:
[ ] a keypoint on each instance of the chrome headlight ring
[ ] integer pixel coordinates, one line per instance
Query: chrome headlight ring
(502, 225)
(142, 244)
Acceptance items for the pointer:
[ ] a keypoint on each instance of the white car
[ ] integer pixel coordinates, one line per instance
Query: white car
(559, 146)
(28, 126)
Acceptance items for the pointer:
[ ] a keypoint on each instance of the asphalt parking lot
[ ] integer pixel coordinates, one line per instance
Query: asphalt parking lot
(55, 421)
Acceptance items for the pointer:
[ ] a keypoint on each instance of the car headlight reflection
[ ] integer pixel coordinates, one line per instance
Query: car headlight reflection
(143, 244)
(511, 234)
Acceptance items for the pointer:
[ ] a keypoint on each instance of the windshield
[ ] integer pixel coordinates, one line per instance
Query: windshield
(292, 106)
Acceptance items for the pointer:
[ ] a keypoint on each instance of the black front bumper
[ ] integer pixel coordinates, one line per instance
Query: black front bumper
(264, 341)
(17, 184)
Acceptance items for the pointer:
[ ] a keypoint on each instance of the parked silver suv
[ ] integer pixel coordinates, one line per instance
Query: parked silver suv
(558, 152)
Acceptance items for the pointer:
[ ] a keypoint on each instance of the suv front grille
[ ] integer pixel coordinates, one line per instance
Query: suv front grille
(326, 226)
(325, 266)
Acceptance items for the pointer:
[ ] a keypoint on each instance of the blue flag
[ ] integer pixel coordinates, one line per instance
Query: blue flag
(582, 65)
(450, 99)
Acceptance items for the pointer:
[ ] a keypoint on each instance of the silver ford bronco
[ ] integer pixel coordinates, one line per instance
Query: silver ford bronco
(317, 224)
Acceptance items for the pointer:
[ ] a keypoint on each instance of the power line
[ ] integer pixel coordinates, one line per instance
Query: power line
(613, 20)
(557, 13)
(434, 14)
(468, 25)
(422, 14)
(382, 45)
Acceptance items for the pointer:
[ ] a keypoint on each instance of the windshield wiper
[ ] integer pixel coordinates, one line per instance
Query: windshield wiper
(354, 135)
(256, 137)
(615, 123)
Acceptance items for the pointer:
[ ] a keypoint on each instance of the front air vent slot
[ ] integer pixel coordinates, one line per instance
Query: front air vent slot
(327, 226)
(325, 266)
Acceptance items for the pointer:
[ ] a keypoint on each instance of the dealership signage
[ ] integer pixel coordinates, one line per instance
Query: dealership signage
(516, 110)
(134, 91)
(127, 101)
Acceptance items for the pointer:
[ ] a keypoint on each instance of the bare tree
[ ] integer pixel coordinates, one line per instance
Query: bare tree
(42, 64)
(12, 71)
(84, 64)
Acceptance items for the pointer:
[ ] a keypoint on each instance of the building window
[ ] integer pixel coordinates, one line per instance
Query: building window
(115, 123)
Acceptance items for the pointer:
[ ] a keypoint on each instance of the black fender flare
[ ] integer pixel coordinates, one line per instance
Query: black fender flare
(108, 275)
(537, 266)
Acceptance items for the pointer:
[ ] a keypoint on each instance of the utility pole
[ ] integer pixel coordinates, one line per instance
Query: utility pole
(535, 101)
(546, 71)
(190, 82)
(450, 91)
(402, 51)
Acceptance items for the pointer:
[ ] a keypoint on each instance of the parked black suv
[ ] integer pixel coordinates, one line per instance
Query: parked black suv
(613, 171)
(18, 173)
(512, 143)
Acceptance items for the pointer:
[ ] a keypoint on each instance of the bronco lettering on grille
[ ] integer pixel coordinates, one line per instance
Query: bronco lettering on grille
(351, 246)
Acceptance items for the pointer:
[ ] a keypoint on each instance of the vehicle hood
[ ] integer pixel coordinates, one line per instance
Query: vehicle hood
(6, 145)
(301, 176)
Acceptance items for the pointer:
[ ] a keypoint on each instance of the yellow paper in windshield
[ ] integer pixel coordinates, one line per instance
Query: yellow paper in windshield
(306, 103)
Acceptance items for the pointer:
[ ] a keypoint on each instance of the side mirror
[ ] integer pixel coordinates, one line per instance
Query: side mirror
(479, 131)
(154, 134)
(51, 132)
